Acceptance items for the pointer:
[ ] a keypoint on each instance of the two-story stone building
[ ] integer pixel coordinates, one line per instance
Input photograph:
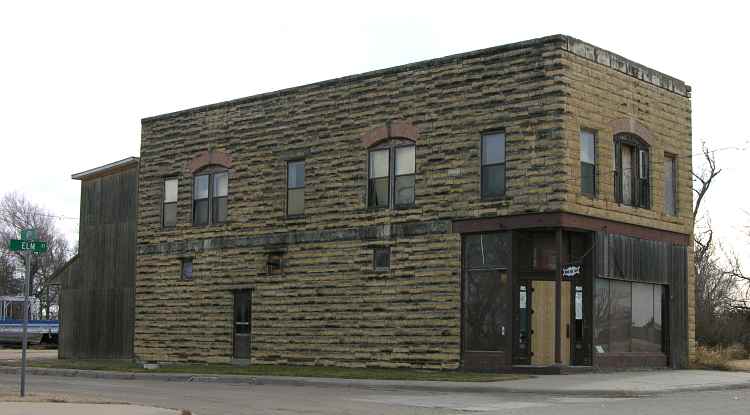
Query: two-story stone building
(527, 204)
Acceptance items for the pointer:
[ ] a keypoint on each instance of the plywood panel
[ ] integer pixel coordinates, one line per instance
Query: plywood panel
(543, 323)
(565, 325)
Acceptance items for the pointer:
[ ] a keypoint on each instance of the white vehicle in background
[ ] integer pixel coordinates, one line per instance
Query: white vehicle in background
(11, 322)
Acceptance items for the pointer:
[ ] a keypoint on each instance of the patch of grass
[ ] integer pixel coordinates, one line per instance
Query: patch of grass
(718, 357)
(281, 370)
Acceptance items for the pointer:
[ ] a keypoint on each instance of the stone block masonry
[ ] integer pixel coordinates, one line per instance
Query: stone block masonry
(327, 305)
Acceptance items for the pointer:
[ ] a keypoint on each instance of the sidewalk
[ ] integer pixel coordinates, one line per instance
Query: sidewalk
(46, 408)
(616, 384)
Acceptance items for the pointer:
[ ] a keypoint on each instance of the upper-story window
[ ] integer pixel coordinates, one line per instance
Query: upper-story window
(169, 204)
(632, 171)
(670, 184)
(493, 165)
(391, 166)
(210, 192)
(295, 193)
(588, 163)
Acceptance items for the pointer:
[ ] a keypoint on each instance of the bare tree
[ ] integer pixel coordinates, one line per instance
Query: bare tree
(9, 284)
(18, 213)
(718, 273)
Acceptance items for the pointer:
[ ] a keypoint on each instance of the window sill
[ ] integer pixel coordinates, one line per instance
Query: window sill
(405, 207)
(502, 198)
(294, 217)
(212, 225)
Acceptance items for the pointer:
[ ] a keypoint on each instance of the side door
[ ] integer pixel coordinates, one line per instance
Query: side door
(487, 303)
(241, 329)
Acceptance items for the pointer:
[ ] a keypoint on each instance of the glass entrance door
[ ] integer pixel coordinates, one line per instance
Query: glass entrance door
(487, 328)
(241, 325)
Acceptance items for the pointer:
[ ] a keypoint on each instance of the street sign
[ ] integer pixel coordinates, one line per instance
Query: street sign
(28, 234)
(23, 245)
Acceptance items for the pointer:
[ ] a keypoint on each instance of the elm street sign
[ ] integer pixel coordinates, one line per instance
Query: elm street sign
(26, 244)
(37, 247)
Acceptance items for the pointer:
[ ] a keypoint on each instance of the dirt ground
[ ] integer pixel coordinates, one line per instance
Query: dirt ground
(743, 365)
(8, 354)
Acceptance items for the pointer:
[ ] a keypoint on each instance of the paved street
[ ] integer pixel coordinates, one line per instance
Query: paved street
(211, 398)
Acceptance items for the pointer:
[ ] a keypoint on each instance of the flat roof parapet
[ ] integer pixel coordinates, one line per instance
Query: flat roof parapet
(566, 43)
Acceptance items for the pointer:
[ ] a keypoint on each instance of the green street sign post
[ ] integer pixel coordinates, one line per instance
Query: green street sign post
(27, 244)
(37, 247)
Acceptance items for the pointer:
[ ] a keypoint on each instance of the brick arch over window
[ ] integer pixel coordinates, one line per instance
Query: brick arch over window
(632, 126)
(209, 158)
(393, 129)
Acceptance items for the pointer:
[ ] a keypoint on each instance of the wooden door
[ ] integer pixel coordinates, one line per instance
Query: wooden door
(543, 323)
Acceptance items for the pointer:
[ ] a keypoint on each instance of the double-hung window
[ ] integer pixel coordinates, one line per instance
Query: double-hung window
(295, 188)
(588, 163)
(404, 172)
(210, 192)
(169, 204)
(391, 167)
(493, 165)
(670, 185)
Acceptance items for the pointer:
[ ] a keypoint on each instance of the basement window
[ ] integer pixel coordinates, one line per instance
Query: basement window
(274, 262)
(382, 259)
(186, 273)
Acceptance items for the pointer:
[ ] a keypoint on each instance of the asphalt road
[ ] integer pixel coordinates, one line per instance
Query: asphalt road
(212, 398)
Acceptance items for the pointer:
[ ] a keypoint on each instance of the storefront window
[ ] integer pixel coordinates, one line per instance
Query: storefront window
(628, 317)
(487, 250)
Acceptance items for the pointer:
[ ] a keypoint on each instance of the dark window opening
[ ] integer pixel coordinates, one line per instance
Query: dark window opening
(539, 251)
(274, 262)
(670, 185)
(186, 273)
(382, 259)
(295, 188)
(632, 172)
(169, 203)
(493, 165)
(588, 163)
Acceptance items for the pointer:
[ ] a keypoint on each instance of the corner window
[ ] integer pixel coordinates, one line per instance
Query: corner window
(493, 165)
(670, 185)
(210, 193)
(169, 204)
(295, 193)
(382, 259)
(588, 163)
(391, 167)
(186, 272)
(632, 172)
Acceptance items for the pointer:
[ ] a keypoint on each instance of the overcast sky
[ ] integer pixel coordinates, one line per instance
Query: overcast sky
(77, 77)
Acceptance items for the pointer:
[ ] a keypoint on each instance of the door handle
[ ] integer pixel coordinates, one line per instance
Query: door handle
(502, 329)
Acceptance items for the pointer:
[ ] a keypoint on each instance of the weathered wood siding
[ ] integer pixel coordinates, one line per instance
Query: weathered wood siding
(656, 262)
(97, 299)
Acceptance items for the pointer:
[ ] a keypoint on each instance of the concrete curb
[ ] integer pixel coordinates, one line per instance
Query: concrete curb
(423, 386)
